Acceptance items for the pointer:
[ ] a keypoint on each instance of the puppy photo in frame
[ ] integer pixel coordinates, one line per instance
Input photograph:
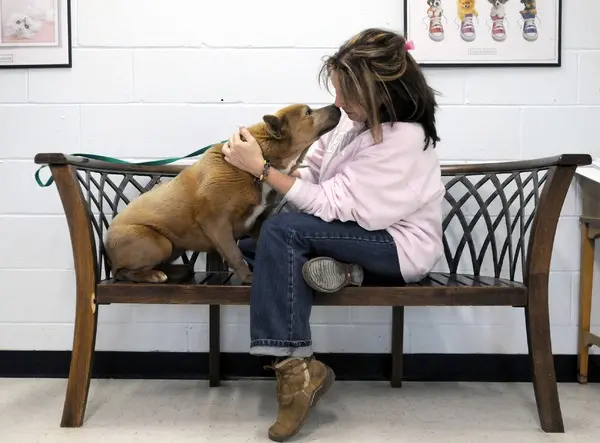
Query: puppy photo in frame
(484, 32)
(35, 33)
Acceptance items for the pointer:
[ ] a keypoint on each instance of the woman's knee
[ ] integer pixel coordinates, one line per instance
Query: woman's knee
(291, 221)
(273, 232)
(282, 229)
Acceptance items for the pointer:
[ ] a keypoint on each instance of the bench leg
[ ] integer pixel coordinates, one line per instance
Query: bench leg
(214, 263)
(537, 321)
(214, 354)
(84, 342)
(397, 346)
(586, 277)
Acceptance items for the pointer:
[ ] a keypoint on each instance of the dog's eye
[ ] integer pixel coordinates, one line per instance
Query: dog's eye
(308, 111)
(18, 22)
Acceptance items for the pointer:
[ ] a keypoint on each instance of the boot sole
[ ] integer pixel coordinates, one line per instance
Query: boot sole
(316, 396)
(323, 274)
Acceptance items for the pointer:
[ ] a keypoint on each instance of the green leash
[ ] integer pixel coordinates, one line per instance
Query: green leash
(165, 161)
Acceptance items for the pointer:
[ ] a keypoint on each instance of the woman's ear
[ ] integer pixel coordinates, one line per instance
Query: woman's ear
(274, 125)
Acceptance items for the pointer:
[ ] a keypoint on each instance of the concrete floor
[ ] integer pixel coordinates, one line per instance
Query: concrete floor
(173, 411)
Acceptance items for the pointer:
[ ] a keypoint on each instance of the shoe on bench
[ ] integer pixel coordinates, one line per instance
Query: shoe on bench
(325, 274)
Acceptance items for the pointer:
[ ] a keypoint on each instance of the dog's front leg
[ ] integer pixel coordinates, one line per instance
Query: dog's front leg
(221, 235)
(256, 227)
(271, 203)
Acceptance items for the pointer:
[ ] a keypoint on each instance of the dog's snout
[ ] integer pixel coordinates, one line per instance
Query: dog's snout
(331, 111)
(334, 113)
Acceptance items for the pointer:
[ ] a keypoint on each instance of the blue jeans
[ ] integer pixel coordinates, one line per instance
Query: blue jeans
(280, 300)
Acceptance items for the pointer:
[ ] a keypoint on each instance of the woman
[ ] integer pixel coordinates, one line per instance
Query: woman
(370, 210)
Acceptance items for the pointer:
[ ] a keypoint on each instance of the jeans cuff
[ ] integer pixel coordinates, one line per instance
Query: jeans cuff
(280, 343)
(303, 351)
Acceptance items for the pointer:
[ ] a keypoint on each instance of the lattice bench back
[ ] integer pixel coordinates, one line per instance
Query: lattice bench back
(496, 215)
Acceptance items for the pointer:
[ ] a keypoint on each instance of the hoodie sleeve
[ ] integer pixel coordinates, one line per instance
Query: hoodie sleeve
(373, 188)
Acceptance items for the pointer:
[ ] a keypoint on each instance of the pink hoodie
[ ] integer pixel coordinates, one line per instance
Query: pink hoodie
(394, 185)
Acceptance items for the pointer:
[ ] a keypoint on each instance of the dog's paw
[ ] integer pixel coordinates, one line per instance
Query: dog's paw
(143, 276)
(247, 280)
(157, 277)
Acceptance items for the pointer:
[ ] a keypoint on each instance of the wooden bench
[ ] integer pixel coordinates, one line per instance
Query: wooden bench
(499, 227)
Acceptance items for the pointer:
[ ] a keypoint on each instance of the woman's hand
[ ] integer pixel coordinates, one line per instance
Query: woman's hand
(247, 156)
(244, 154)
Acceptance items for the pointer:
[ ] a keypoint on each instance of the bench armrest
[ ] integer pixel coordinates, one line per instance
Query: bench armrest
(60, 159)
(517, 165)
(543, 229)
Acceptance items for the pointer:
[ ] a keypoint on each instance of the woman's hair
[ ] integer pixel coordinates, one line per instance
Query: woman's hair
(376, 71)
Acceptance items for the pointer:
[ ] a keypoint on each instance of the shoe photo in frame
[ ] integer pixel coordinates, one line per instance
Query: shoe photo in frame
(484, 32)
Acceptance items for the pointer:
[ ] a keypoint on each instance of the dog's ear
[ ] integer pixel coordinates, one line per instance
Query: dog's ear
(274, 125)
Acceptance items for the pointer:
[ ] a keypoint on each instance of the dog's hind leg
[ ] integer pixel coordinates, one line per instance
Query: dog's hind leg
(176, 272)
(135, 251)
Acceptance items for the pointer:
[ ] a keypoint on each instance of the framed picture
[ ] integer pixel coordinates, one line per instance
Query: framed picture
(35, 34)
(484, 32)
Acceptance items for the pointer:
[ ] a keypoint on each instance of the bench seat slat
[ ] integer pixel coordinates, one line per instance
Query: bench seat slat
(224, 289)
(489, 281)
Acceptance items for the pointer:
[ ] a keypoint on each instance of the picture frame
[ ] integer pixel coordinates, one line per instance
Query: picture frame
(35, 34)
(494, 33)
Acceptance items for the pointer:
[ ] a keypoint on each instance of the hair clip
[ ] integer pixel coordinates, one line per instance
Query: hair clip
(409, 45)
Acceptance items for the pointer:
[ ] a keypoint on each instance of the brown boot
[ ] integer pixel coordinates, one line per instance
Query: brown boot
(300, 384)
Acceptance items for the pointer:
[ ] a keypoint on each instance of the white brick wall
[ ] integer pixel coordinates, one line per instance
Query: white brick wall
(154, 79)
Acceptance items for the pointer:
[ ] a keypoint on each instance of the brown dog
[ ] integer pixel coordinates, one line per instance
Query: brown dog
(210, 204)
